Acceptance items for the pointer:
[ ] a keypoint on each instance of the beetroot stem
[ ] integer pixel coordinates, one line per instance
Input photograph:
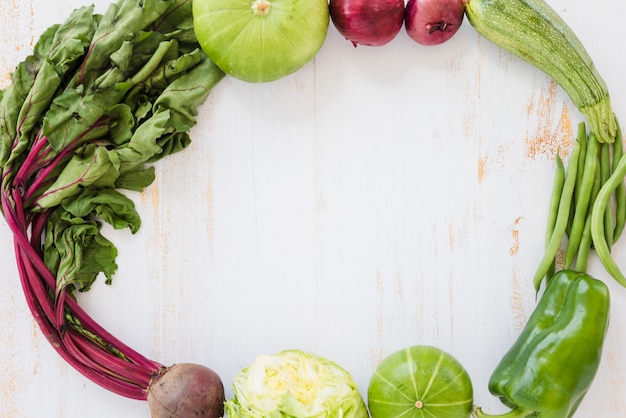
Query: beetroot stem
(122, 369)
(67, 150)
(48, 329)
(28, 167)
(127, 376)
(113, 363)
(38, 225)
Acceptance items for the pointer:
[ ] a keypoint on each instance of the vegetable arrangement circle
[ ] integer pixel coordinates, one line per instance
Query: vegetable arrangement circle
(103, 97)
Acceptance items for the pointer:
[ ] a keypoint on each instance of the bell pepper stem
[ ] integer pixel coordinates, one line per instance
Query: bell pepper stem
(477, 412)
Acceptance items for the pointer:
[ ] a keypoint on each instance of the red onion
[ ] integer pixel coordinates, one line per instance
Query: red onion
(368, 22)
(433, 22)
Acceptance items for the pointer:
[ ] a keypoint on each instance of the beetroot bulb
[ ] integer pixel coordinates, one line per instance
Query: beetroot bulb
(433, 22)
(186, 390)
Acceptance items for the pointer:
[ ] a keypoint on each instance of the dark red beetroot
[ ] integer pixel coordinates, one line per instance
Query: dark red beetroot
(186, 390)
(433, 22)
(368, 22)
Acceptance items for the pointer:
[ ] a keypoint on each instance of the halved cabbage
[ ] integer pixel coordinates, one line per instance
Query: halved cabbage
(294, 383)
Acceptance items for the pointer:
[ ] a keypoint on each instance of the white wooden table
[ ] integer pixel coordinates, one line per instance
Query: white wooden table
(378, 198)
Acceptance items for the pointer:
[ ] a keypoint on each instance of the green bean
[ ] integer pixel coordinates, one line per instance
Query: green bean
(620, 211)
(581, 137)
(584, 249)
(605, 172)
(557, 188)
(585, 185)
(605, 162)
(562, 217)
(597, 221)
(620, 192)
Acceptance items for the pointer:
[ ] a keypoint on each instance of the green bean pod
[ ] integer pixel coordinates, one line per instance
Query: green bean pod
(586, 178)
(562, 218)
(598, 222)
(620, 192)
(605, 173)
(584, 248)
(581, 137)
(557, 188)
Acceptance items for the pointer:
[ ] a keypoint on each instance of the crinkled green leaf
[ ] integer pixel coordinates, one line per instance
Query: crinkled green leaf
(36, 80)
(68, 46)
(145, 43)
(78, 111)
(114, 77)
(119, 20)
(171, 144)
(123, 56)
(136, 178)
(166, 131)
(177, 23)
(23, 78)
(77, 116)
(184, 95)
(13, 97)
(104, 96)
(140, 98)
(72, 39)
(95, 166)
(107, 204)
(170, 71)
(76, 251)
(143, 144)
(142, 106)
(166, 51)
(122, 123)
(175, 68)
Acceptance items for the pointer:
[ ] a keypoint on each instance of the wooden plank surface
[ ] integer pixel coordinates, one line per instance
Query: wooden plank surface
(375, 199)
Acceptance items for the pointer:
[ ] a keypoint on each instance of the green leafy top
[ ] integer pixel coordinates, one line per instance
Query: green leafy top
(100, 99)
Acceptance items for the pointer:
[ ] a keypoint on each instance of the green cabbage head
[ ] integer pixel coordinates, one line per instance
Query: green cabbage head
(294, 383)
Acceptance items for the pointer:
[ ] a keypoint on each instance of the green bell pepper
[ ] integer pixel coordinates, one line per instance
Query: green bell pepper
(550, 367)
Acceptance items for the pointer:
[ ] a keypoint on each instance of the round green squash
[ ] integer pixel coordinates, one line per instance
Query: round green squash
(260, 40)
(420, 382)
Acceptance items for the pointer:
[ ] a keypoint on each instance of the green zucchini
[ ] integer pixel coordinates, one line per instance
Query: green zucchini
(535, 32)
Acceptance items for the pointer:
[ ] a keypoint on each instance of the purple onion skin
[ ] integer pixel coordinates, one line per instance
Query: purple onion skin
(433, 22)
(367, 22)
